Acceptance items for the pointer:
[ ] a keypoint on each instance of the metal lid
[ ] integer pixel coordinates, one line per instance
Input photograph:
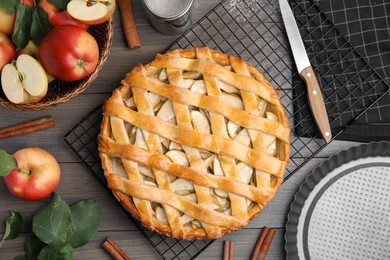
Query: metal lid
(167, 9)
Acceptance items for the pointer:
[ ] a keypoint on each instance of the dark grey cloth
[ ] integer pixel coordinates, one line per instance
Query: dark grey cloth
(366, 25)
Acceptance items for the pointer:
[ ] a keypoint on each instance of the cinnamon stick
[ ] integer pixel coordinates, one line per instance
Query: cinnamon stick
(128, 23)
(266, 244)
(114, 250)
(228, 250)
(27, 127)
(263, 243)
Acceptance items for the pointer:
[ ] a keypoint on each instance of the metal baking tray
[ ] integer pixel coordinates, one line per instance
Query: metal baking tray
(342, 210)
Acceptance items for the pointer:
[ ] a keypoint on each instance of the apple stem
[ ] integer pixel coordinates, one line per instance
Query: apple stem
(24, 170)
(80, 63)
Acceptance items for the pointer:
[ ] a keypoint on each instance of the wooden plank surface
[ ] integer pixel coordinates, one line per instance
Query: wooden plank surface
(78, 183)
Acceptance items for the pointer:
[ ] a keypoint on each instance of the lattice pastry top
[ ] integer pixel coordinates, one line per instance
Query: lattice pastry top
(194, 144)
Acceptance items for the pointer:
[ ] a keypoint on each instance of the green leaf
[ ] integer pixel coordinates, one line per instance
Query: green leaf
(22, 28)
(61, 4)
(7, 163)
(33, 247)
(9, 6)
(86, 219)
(21, 257)
(40, 24)
(53, 222)
(56, 251)
(14, 226)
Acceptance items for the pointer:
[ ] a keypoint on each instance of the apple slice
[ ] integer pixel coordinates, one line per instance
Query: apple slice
(24, 81)
(12, 90)
(91, 11)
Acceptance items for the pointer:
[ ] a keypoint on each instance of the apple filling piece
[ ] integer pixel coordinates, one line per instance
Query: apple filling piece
(194, 144)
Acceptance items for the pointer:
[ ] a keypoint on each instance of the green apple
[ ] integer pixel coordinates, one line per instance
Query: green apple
(31, 49)
(7, 21)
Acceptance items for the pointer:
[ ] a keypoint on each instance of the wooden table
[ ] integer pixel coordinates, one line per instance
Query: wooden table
(77, 183)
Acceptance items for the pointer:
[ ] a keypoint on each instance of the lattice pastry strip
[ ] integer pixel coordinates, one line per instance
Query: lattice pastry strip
(183, 119)
(131, 169)
(207, 144)
(260, 140)
(223, 164)
(154, 144)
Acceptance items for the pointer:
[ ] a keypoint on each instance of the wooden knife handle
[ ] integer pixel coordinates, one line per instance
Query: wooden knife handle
(316, 103)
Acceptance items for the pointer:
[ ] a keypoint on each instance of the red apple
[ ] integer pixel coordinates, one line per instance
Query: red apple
(28, 2)
(7, 50)
(91, 11)
(58, 17)
(37, 175)
(68, 53)
(48, 7)
(63, 18)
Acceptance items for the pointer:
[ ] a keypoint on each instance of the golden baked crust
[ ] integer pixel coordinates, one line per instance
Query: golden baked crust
(194, 144)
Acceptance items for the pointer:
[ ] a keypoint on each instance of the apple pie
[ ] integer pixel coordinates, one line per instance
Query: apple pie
(194, 144)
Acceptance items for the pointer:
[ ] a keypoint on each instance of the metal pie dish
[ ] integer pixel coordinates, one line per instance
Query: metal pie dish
(342, 209)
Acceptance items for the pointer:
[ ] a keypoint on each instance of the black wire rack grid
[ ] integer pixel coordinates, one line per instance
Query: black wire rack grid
(253, 30)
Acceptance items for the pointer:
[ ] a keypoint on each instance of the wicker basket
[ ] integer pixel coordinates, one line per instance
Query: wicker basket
(60, 91)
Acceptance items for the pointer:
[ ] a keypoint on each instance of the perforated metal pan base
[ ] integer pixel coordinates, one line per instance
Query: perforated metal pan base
(342, 210)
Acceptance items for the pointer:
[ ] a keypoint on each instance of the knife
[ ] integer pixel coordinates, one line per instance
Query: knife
(314, 94)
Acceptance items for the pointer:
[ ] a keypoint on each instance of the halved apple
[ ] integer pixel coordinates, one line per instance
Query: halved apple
(91, 11)
(24, 80)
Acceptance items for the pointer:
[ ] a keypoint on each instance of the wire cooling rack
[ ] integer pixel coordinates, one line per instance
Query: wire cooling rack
(82, 139)
(253, 30)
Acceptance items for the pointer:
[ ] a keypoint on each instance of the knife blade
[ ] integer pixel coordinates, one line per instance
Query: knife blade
(305, 70)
